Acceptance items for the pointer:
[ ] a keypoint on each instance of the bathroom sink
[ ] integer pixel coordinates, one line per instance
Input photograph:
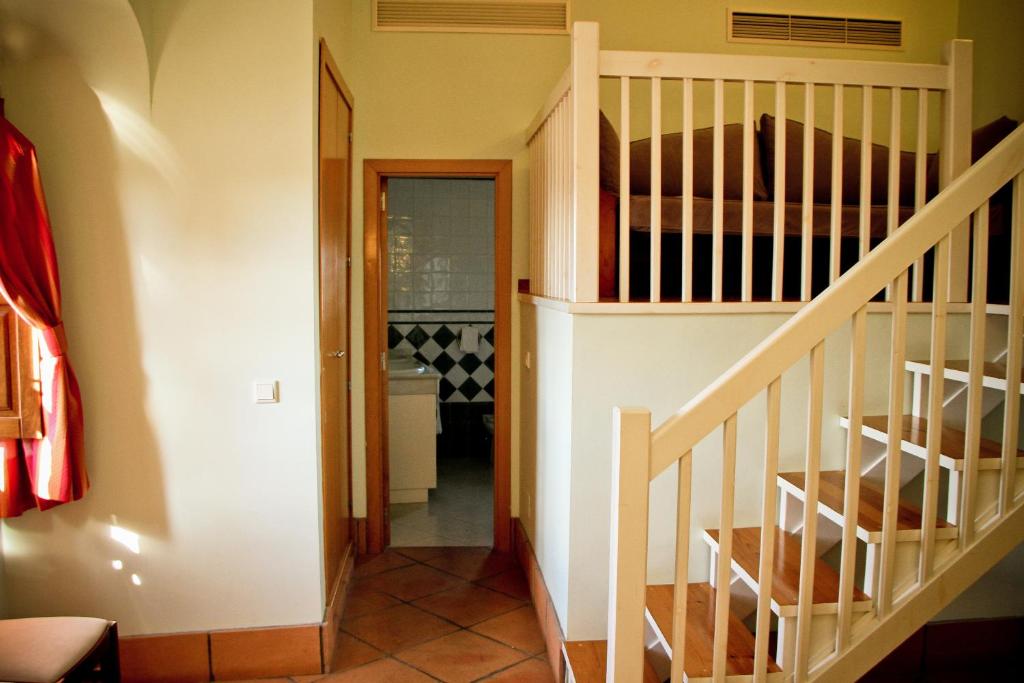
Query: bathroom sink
(406, 375)
(405, 366)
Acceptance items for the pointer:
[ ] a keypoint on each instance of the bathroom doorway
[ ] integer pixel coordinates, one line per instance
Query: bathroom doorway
(438, 316)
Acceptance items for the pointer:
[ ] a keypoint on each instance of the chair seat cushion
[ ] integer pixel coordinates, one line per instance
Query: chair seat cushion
(42, 650)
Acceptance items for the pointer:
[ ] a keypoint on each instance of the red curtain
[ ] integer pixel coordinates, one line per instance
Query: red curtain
(37, 473)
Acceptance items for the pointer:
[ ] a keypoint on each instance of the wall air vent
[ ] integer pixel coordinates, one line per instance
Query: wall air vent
(472, 16)
(799, 29)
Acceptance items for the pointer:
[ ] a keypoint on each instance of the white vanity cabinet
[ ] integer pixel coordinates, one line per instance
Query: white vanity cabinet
(412, 431)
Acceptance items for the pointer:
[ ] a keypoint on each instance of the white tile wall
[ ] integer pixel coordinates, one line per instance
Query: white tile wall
(441, 244)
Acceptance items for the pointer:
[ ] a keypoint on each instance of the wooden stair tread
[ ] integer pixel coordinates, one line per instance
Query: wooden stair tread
(746, 552)
(588, 660)
(869, 510)
(700, 631)
(915, 433)
(994, 374)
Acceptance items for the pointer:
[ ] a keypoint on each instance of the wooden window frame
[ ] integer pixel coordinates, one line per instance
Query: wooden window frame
(20, 397)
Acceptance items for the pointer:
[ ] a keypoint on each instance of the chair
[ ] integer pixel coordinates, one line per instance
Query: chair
(51, 649)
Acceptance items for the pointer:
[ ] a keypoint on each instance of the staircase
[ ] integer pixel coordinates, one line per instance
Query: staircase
(847, 563)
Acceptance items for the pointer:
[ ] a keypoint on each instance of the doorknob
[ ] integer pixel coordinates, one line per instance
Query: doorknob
(336, 354)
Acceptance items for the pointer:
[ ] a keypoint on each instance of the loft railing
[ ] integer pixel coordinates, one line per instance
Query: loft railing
(640, 454)
(571, 253)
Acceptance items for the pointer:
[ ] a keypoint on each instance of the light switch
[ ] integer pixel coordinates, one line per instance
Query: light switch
(265, 392)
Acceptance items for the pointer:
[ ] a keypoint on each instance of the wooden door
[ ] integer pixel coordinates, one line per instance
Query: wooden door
(335, 197)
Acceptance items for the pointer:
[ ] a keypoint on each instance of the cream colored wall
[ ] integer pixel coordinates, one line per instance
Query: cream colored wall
(996, 27)
(546, 445)
(186, 237)
(442, 96)
(700, 26)
(671, 359)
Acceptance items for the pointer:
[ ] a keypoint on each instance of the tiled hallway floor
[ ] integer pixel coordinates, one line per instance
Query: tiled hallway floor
(439, 614)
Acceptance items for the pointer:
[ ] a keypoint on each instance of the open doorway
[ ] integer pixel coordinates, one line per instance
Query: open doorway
(438, 316)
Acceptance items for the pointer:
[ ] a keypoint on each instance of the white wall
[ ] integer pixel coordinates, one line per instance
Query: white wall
(670, 359)
(546, 442)
(186, 238)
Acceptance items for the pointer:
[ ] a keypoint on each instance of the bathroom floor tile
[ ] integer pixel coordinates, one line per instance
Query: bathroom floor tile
(459, 511)
(398, 627)
(516, 629)
(461, 657)
(468, 604)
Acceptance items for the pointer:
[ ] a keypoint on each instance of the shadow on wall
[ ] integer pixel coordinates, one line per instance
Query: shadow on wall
(49, 99)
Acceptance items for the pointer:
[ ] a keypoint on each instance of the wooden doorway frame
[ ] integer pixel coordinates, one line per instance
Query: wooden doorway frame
(375, 172)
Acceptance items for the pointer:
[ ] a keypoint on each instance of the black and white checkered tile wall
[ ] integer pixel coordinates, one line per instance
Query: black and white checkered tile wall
(466, 377)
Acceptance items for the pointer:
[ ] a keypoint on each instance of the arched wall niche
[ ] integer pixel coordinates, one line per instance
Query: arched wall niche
(103, 37)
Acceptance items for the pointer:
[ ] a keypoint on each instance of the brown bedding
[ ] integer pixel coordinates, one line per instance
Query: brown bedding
(764, 217)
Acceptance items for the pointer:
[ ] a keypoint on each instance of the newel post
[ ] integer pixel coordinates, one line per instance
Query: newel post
(955, 154)
(585, 200)
(627, 575)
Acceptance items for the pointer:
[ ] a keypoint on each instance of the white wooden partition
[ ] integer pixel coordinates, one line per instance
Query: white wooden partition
(563, 144)
(642, 456)
(564, 162)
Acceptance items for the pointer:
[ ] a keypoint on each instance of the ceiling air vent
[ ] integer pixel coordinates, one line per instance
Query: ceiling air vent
(799, 29)
(472, 16)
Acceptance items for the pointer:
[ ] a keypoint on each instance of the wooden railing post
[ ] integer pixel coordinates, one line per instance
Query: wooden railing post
(585, 152)
(627, 575)
(956, 152)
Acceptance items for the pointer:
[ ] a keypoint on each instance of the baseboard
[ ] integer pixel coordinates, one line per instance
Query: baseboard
(237, 654)
(360, 534)
(335, 608)
(545, 608)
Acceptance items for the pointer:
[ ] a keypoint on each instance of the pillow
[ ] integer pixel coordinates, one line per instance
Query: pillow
(988, 136)
(851, 167)
(608, 150)
(703, 155)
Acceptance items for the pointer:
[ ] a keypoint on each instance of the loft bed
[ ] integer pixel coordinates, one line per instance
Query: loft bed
(737, 211)
(763, 207)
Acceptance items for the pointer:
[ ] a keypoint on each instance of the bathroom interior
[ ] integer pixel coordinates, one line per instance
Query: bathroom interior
(440, 236)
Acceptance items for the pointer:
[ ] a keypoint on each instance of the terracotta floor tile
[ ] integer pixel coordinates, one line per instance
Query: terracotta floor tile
(368, 565)
(398, 627)
(409, 583)
(364, 600)
(472, 564)
(468, 604)
(422, 554)
(352, 652)
(530, 671)
(460, 657)
(518, 629)
(512, 582)
(381, 671)
(307, 679)
(264, 680)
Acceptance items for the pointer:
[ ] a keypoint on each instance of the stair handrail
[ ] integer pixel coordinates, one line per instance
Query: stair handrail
(640, 454)
(835, 306)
